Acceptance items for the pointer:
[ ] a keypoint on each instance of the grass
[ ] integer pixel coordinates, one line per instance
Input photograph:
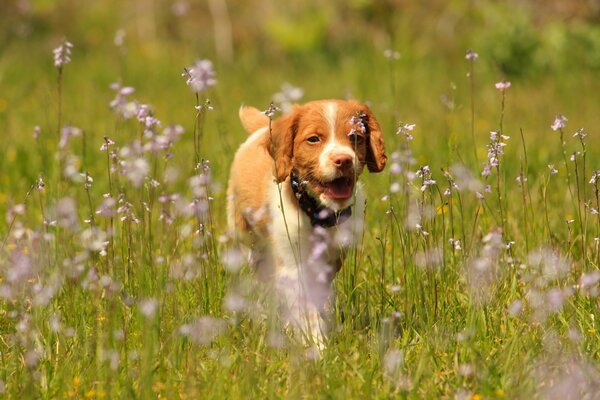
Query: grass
(160, 308)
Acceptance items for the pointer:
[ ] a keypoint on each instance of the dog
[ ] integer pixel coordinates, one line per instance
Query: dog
(293, 188)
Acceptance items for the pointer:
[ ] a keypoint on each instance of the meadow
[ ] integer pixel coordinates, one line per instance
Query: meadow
(477, 273)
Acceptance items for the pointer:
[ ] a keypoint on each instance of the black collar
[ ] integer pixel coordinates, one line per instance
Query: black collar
(319, 215)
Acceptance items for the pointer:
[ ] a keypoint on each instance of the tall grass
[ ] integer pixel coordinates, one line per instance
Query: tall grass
(118, 279)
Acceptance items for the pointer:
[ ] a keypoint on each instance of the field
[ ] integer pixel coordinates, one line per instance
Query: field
(477, 273)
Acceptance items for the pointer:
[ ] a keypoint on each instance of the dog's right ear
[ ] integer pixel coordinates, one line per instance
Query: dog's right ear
(280, 143)
(252, 119)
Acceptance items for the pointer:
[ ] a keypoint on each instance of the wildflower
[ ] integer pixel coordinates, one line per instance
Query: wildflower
(40, 184)
(391, 54)
(62, 54)
(270, 112)
(560, 121)
(406, 130)
(173, 132)
(483, 271)
(589, 279)
(455, 243)
(595, 177)
(107, 143)
(66, 213)
(471, 55)
(580, 134)
(17, 209)
(425, 174)
(357, 124)
(464, 178)
(574, 156)
(66, 133)
(148, 307)
(521, 179)
(119, 39)
(502, 85)
(234, 302)
(495, 150)
(120, 105)
(180, 8)
(87, 180)
(125, 209)
(395, 168)
(204, 330)
(429, 259)
(206, 106)
(36, 132)
(106, 208)
(232, 259)
(515, 308)
(392, 361)
(547, 265)
(287, 96)
(200, 76)
(137, 170)
(552, 169)
(94, 239)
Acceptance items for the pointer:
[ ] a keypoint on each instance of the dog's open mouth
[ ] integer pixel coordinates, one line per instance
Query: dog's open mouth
(339, 188)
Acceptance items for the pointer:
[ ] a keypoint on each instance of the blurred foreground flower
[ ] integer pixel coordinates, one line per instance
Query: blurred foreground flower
(204, 330)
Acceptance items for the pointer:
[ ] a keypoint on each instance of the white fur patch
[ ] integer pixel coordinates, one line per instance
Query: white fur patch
(327, 169)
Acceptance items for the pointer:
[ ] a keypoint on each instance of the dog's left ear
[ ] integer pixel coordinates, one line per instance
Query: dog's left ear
(376, 157)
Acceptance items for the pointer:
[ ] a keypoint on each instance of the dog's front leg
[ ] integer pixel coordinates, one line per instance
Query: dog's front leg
(304, 298)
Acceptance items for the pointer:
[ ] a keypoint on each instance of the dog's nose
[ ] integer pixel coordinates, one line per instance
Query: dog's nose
(342, 160)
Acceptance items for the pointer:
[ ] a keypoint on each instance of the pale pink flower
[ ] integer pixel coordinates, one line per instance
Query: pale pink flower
(503, 85)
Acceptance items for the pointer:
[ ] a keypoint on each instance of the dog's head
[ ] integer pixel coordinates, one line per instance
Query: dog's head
(327, 143)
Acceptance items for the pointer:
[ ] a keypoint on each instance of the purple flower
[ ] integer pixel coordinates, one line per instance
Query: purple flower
(287, 96)
(357, 124)
(406, 130)
(502, 85)
(200, 76)
(62, 54)
(203, 330)
(66, 133)
(560, 121)
(120, 105)
(495, 150)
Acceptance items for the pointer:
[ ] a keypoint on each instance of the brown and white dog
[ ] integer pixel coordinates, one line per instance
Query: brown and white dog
(293, 187)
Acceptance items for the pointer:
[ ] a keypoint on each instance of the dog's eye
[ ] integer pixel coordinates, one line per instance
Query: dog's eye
(356, 139)
(313, 139)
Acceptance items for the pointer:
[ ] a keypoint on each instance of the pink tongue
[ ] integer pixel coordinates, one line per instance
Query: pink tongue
(340, 189)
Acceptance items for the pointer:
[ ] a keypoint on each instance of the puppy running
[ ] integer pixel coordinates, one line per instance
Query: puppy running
(292, 189)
